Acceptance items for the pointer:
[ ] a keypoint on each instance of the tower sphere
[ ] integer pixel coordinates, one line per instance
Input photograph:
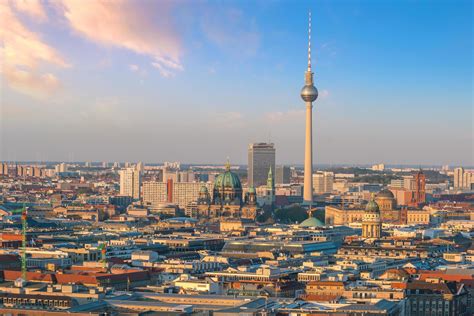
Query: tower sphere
(309, 93)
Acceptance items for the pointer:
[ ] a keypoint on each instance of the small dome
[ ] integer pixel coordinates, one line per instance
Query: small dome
(311, 222)
(372, 206)
(385, 194)
(227, 179)
(251, 190)
(203, 189)
(309, 93)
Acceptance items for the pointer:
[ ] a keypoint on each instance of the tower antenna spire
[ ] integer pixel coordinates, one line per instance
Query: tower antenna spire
(309, 42)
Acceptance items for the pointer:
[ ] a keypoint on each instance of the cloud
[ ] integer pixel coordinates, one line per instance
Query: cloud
(228, 119)
(33, 8)
(323, 93)
(32, 83)
(144, 28)
(22, 52)
(133, 68)
(278, 117)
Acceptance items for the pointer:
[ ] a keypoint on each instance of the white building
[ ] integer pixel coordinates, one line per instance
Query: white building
(130, 182)
(463, 179)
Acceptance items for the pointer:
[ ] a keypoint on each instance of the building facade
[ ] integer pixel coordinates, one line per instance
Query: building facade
(261, 157)
(130, 182)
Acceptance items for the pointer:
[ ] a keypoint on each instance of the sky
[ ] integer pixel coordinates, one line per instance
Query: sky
(197, 81)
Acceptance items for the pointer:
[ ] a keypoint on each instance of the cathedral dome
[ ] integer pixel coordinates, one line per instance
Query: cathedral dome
(387, 194)
(228, 180)
(311, 222)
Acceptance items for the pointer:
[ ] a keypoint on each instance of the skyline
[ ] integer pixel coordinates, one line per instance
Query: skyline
(115, 91)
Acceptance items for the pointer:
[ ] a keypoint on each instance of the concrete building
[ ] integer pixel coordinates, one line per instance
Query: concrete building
(261, 157)
(180, 193)
(130, 182)
(323, 182)
(463, 179)
(282, 175)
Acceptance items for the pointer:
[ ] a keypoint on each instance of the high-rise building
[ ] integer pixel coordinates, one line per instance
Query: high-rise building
(458, 177)
(261, 157)
(463, 179)
(309, 94)
(130, 181)
(323, 182)
(4, 169)
(62, 167)
(282, 175)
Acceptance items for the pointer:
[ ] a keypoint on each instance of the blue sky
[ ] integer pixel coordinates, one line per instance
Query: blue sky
(197, 81)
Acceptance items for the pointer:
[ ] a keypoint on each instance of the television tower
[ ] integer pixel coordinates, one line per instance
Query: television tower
(309, 94)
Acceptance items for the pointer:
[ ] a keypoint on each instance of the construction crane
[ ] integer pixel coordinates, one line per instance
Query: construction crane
(24, 225)
(103, 250)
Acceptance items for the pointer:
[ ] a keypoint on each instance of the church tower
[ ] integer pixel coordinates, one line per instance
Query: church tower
(371, 223)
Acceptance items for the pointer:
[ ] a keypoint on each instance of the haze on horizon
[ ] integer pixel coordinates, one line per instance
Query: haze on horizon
(197, 81)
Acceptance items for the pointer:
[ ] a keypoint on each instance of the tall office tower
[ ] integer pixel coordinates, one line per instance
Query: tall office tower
(323, 182)
(282, 174)
(309, 94)
(458, 178)
(130, 181)
(261, 157)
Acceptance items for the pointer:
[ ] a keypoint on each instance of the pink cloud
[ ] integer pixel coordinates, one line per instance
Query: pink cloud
(143, 27)
(33, 8)
(22, 51)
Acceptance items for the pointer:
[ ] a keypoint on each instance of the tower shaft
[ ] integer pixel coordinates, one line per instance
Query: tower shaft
(308, 155)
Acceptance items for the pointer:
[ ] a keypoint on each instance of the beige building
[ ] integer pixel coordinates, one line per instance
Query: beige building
(323, 182)
(463, 179)
(415, 217)
(180, 193)
(130, 182)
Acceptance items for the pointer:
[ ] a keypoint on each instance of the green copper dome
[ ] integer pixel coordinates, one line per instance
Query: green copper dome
(227, 179)
(252, 190)
(372, 206)
(311, 222)
(204, 189)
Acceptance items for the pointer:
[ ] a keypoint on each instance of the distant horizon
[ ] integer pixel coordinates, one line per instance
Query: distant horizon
(365, 165)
